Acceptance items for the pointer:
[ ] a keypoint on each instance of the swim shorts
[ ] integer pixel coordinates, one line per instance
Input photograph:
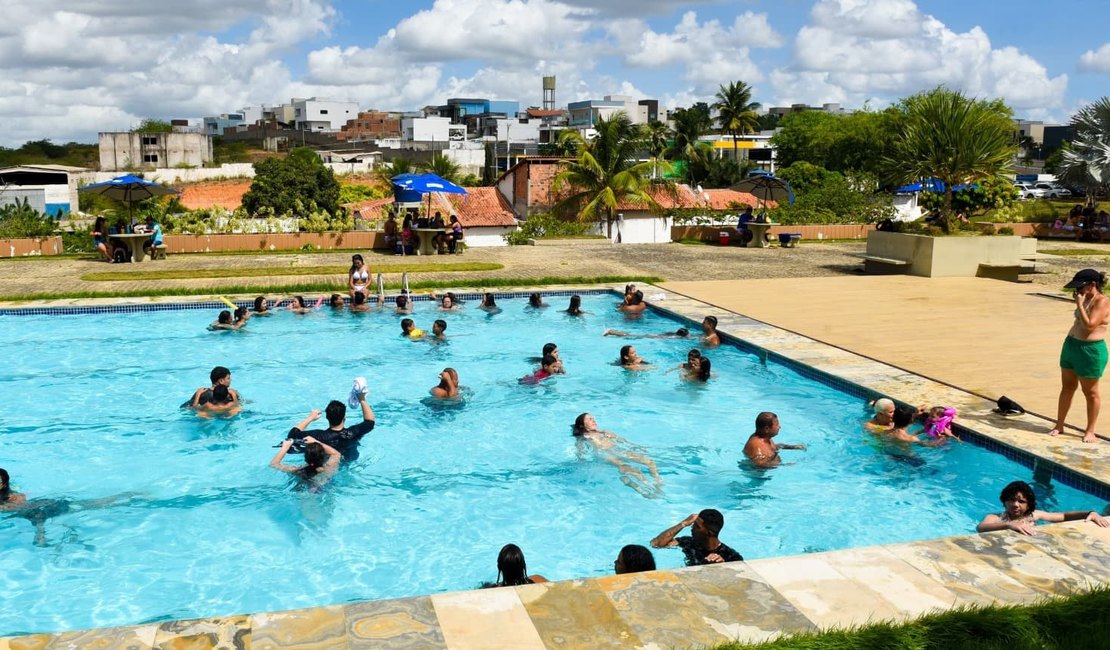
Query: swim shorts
(1086, 358)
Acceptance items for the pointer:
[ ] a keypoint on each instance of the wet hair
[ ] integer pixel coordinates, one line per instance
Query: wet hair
(579, 426)
(636, 558)
(625, 351)
(442, 324)
(713, 520)
(315, 458)
(548, 348)
(336, 300)
(712, 320)
(637, 298)
(240, 312)
(335, 412)
(221, 395)
(218, 373)
(359, 298)
(511, 568)
(452, 296)
(1022, 488)
(406, 323)
(903, 416)
(258, 303)
(704, 368)
(6, 491)
(454, 377)
(299, 300)
(575, 305)
(682, 331)
(356, 258)
(882, 404)
(694, 353)
(402, 301)
(548, 360)
(535, 300)
(488, 301)
(764, 420)
(445, 298)
(629, 288)
(224, 317)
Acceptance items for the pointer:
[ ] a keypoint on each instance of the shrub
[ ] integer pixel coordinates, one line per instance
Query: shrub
(19, 219)
(1006, 230)
(988, 229)
(545, 225)
(822, 196)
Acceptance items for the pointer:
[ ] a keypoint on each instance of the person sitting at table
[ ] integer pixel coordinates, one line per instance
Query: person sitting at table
(155, 230)
(455, 236)
(101, 241)
(407, 236)
(743, 233)
(439, 241)
(390, 231)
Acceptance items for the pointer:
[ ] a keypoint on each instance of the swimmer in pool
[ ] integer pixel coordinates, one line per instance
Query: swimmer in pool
(262, 306)
(242, 315)
(547, 368)
(448, 302)
(699, 371)
(575, 307)
(680, 333)
(761, 449)
(321, 461)
(448, 386)
(553, 350)
(336, 301)
(223, 322)
(219, 376)
(630, 360)
(883, 419)
(297, 305)
(489, 304)
(635, 303)
(621, 453)
(358, 303)
(535, 301)
(404, 304)
(709, 337)
(438, 330)
(1020, 512)
(37, 511)
(409, 329)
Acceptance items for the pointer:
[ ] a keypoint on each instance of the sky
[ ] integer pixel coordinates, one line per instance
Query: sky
(69, 69)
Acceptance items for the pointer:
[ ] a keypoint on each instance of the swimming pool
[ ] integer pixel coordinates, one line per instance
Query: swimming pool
(211, 530)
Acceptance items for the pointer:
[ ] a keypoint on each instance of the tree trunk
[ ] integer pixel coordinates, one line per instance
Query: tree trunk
(945, 220)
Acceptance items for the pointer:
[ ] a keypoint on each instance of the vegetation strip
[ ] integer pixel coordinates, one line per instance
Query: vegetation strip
(1077, 621)
(1076, 252)
(336, 287)
(268, 271)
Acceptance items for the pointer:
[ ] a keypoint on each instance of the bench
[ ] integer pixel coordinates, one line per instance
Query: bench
(1009, 271)
(789, 239)
(876, 264)
(158, 252)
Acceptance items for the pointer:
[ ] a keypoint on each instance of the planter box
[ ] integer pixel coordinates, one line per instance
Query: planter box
(943, 257)
(808, 232)
(28, 246)
(358, 240)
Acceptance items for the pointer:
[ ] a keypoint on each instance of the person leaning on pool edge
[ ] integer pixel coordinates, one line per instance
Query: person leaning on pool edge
(1083, 356)
(702, 545)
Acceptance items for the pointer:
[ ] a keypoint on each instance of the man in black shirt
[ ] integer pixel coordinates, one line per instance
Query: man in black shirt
(344, 439)
(702, 545)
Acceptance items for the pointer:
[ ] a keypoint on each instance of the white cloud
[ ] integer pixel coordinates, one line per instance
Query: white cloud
(1096, 60)
(858, 50)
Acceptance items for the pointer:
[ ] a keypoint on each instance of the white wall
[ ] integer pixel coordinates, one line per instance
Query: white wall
(485, 236)
(425, 129)
(337, 113)
(648, 229)
(229, 170)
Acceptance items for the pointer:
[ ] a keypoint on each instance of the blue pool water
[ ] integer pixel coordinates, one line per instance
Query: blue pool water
(209, 529)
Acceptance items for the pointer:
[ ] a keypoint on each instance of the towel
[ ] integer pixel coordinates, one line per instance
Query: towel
(357, 389)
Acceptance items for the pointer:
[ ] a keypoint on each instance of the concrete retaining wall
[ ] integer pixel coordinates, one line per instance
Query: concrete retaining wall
(365, 240)
(944, 257)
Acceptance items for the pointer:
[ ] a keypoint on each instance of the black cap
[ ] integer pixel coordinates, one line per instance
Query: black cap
(1083, 278)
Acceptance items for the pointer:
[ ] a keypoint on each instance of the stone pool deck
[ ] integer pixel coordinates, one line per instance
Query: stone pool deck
(749, 601)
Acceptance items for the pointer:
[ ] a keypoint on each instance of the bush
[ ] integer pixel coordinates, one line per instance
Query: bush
(823, 196)
(19, 219)
(545, 225)
(1006, 230)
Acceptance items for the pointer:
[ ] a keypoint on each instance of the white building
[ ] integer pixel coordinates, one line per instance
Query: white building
(128, 150)
(585, 114)
(431, 129)
(320, 114)
(515, 130)
(49, 189)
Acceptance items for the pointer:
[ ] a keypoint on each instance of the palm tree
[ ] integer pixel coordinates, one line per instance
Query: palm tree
(605, 172)
(689, 125)
(737, 111)
(657, 136)
(954, 139)
(443, 167)
(395, 167)
(1086, 161)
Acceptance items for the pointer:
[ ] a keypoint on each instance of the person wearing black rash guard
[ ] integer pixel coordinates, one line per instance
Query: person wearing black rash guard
(343, 438)
(220, 376)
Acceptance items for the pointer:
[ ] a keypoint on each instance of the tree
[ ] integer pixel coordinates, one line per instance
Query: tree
(605, 172)
(396, 167)
(737, 111)
(489, 167)
(298, 184)
(690, 124)
(954, 139)
(860, 141)
(656, 136)
(1086, 160)
(443, 167)
(153, 126)
(824, 196)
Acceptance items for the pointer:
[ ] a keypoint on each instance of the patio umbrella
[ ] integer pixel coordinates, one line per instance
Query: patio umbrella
(408, 186)
(129, 189)
(766, 187)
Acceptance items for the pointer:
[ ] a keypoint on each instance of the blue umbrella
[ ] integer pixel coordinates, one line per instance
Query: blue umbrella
(425, 184)
(129, 189)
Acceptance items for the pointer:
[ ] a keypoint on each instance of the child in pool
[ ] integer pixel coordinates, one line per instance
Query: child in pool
(938, 422)
(1020, 512)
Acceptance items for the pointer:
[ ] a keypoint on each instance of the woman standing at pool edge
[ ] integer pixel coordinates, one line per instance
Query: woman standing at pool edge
(1083, 356)
(358, 278)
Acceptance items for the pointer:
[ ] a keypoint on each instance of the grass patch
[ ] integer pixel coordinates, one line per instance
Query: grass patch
(1080, 621)
(266, 271)
(335, 287)
(694, 241)
(1076, 252)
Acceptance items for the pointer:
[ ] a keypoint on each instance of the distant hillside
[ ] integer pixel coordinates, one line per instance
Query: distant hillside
(45, 152)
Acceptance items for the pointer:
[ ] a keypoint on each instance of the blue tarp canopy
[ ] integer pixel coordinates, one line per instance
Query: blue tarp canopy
(931, 185)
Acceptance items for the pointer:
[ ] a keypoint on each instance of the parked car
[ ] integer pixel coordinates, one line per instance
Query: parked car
(1028, 191)
(1054, 191)
(1077, 190)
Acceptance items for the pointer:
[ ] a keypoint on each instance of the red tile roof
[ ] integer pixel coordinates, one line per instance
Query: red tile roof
(539, 112)
(720, 199)
(668, 198)
(480, 206)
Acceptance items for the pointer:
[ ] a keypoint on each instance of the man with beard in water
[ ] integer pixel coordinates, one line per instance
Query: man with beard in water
(702, 545)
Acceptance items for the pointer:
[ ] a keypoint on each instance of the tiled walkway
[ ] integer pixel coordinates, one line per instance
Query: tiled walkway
(695, 607)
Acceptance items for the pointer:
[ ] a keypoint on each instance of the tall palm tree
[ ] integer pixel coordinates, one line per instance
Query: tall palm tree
(443, 167)
(737, 111)
(1086, 161)
(395, 167)
(954, 139)
(657, 136)
(605, 172)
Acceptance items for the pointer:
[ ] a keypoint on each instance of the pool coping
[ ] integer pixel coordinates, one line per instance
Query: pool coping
(750, 601)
